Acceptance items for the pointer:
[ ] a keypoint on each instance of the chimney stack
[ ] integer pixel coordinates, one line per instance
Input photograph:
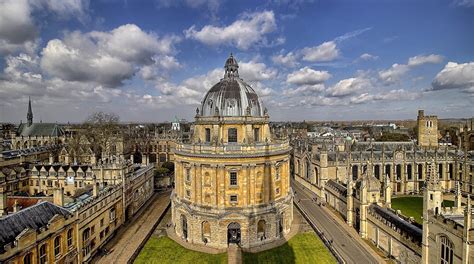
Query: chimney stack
(95, 188)
(58, 197)
(3, 202)
(16, 207)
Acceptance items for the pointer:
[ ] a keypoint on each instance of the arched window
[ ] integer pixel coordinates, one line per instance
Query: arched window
(277, 173)
(355, 172)
(206, 231)
(232, 135)
(261, 229)
(43, 258)
(377, 171)
(57, 245)
(398, 170)
(420, 171)
(446, 250)
(69, 238)
(388, 170)
(308, 170)
(28, 258)
(184, 226)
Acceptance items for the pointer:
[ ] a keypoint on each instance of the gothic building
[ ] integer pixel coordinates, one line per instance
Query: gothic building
(232, 179)
(31, 135)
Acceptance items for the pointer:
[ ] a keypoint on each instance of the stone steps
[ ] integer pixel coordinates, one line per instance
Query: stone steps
(234, 254)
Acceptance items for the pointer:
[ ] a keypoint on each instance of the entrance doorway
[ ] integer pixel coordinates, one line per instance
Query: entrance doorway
(233, 233)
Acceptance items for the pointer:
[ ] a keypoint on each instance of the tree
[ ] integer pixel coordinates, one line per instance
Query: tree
(161, 171)
(168, 165)
(101, 129)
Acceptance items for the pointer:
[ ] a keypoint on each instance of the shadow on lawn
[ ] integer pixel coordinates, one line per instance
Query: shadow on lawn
(283, 254)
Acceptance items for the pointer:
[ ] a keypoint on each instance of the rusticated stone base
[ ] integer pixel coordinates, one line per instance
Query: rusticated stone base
(209, 225)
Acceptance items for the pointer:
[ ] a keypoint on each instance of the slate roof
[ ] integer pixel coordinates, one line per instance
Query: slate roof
(40, 129)
(411, 229)
(33, 217)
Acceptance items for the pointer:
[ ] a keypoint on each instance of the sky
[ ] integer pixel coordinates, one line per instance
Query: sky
(149, 61)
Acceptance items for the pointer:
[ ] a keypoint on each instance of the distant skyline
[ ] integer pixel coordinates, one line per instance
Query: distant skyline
(307, 59)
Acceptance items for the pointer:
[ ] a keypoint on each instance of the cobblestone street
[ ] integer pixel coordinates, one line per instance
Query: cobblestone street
(122, 247)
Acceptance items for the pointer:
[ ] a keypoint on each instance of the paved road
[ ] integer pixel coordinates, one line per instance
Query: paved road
(124, 244)
(350, 250)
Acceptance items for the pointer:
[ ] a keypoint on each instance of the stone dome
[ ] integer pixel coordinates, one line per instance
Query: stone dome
(231, 96)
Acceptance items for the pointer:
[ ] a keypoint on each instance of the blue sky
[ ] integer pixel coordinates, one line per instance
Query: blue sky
(312, 60)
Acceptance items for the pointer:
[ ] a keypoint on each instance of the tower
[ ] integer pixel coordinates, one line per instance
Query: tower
(29, 115)
(427, 130)
(232, 180)
(432, 198)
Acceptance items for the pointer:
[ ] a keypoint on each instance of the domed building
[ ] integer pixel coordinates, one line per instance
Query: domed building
(232, 181)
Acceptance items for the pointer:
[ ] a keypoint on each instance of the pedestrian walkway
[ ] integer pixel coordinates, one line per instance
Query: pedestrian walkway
(131, 236)
(234, 254)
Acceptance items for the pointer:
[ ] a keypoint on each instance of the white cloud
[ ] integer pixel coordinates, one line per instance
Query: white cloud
(288, 60)
(305, 90)
(349, 86)
(307, 76)
(325, 52)
(256, 71)
(465, 3)
(18, 28)
(392, 95)
(251, 29)
(367, 56)
(211, 5)
(394, 73)
(107, 58)
(455, 76)
(420, 59)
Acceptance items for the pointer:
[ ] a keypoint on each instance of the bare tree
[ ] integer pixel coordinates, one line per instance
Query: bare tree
(101, 129)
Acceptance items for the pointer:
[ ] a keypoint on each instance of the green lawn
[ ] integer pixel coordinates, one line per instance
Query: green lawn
(413, 206)
(302, 248)
(164, 250)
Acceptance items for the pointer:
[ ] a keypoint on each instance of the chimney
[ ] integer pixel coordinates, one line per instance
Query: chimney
(95, 188)
(58, 197)
(3, 202)
(16, 206)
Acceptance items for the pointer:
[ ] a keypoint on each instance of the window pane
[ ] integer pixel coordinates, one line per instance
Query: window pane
(232, 135)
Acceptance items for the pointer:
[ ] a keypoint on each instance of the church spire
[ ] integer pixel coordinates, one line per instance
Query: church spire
(29, 115)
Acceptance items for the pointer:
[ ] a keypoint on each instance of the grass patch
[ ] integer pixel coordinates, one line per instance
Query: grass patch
(164, 250)
(302, 248)
(413, 206)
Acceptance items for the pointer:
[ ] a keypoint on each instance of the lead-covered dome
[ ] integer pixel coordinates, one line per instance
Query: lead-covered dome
(231, 96)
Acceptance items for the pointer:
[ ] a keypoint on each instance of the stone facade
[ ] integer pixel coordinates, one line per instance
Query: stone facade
(232, 179)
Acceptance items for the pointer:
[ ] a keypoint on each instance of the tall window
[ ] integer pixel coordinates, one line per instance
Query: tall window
(43, 258)
(277, 173)
(377, 171)
(387, 170)
(28, 258)
(233, 178)
(420, 171)
(451, 171)
(256, 134)
(446, 250)
(440, 170)
(409, 171)
(69, 238)
(232, 135)
(208, 135)
(57, 245)
(188, 174)
(398, 170)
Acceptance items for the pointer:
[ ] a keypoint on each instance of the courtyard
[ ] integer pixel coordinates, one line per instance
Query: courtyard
(302, 248)
(412, 206)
